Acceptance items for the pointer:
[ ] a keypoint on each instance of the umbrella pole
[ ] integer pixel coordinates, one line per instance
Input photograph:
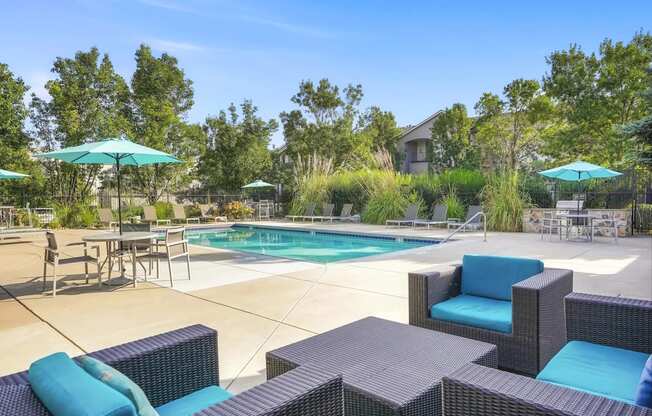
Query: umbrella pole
(119, 196)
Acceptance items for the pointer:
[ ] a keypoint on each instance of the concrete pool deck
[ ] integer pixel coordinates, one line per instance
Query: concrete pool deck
(259, 303)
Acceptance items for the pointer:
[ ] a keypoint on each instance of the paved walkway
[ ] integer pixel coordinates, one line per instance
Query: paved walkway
(258, 303)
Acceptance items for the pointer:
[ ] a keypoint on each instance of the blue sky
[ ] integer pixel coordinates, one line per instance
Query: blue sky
(411, 57)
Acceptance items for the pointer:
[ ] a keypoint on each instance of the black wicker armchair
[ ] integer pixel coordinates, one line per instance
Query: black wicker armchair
(176, 363)
(538, 330)
(615, 322)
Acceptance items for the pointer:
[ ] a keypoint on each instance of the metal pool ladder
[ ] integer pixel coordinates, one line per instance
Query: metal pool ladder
(462, 226)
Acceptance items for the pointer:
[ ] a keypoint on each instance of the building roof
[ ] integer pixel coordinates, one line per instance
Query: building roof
(409, 129)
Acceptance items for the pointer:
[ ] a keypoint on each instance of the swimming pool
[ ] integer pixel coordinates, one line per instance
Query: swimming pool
(313, 246)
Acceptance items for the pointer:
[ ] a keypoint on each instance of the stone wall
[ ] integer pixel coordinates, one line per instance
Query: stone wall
(533, 218)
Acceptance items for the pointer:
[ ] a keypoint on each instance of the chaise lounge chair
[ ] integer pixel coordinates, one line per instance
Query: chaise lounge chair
(106, 218)
(410, 216)
(326, 213)
(149, 215)
(601, 371)
(178, 373)
(471, 215)
(345, 214)
(438, 217)
(307, 213)
(180, 215)
(513, 303)
(206, 215)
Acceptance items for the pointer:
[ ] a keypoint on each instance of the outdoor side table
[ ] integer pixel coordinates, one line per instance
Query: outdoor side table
(388, 368)
(113, 238)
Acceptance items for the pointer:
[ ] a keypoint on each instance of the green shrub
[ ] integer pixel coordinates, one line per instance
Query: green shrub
(236, 210)
(644, 216)
(455, 207)
(164, 210)
(503, 202)
(346, 188)
(427, 186)
(311, 182)
(129, 211)
(193, 211)
(389, 196)
(467, 184)
(78, 215)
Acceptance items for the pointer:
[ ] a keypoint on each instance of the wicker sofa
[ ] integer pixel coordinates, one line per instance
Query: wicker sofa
(609, 321)
(174, 364)
(537, 318)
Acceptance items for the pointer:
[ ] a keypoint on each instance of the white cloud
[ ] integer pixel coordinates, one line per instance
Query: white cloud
(241, 14)
(288, 27)
(174, 46)
(168, 4)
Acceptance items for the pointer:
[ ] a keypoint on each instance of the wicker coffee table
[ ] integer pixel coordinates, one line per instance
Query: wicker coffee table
(388, 368)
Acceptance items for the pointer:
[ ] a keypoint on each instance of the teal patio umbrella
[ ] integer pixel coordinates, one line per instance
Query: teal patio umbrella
(7, 174)
(118, 152)
(579, 171)
(257, 184)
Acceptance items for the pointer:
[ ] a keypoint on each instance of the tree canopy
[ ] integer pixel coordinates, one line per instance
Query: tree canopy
(237, 148)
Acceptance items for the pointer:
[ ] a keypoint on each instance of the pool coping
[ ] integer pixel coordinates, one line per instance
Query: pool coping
(393, 237)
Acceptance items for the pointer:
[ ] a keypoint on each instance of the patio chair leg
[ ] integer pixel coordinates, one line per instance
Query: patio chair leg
(45, 268)
(86, 270)
(134, 267)
(54, 280)
(170, 270)
(99, 274)
(110, 265)
(188, 264)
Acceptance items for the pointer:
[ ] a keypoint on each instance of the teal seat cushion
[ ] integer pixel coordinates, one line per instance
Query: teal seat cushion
(65, 389)
(494, 276)
(487, 313)
(118, 381)
(194, 402)
(598, 369)
(644, 390)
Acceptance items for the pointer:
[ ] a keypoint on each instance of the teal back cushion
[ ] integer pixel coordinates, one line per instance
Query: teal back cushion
(118, 381)
(598, 369)
(644, 390)
(493, 276)
(65, 389)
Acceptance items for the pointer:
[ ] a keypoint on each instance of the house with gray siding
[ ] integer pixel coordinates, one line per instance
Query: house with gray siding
(413, 146)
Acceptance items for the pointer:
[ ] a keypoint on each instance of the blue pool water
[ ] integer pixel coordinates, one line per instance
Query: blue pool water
(313, 246)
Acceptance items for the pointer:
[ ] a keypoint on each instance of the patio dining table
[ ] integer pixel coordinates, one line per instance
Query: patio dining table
(584, 222)
(111, 240)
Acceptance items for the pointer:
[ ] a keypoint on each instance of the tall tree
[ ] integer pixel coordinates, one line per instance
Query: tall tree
(451, 139)
(381, 128)
(14, 142)
(237, 148)
(89, 101)
(162, 96)
(325, 122)
(511, 130)
(640, 131)
(595, 93)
